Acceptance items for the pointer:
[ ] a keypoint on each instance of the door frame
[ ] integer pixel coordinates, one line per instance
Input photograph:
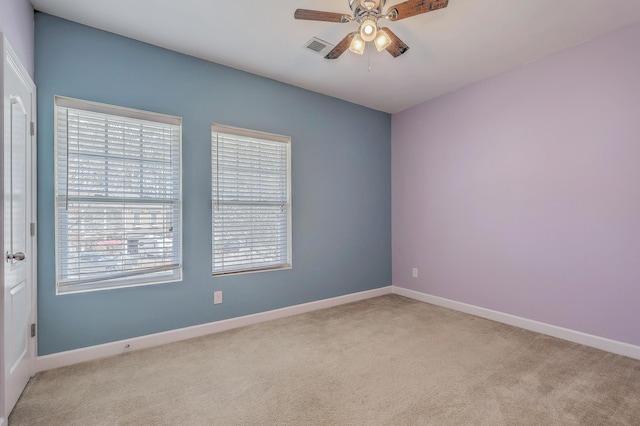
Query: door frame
(6, 49)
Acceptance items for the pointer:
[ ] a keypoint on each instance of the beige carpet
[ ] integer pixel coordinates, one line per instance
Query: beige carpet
(383, 361)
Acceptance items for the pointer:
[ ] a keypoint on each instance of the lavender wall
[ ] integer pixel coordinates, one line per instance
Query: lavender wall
(16, 23)
(521, 193)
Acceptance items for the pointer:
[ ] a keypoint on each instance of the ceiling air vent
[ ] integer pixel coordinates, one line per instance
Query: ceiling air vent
(321, 47)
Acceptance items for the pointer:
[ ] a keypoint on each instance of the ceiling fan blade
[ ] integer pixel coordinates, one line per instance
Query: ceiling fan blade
(318, 15)
(397, 46)
(340, 47)
(416, 7)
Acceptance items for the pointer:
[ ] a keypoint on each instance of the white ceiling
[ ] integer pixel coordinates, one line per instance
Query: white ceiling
(449, 48)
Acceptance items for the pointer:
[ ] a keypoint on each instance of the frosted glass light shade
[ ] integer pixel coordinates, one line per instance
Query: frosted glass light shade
(357, 44)
(382, 40)
(368, 30)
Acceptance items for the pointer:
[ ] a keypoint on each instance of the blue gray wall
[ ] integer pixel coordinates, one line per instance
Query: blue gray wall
(341, 176)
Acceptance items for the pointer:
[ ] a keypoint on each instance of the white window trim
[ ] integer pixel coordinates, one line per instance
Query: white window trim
(220, 128)
(151, 278)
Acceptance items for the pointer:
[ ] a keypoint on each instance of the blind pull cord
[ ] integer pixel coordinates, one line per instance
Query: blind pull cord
(218, 171)
(67, 177)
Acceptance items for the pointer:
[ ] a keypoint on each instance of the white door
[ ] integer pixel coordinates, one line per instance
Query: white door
(18, 348)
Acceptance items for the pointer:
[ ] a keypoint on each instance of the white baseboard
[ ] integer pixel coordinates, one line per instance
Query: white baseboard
(62, 359)
(597, 342)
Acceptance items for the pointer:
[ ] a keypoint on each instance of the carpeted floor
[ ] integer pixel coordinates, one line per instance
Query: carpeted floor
(383, 361)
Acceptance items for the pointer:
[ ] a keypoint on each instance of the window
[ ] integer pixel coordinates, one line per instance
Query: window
(118, 196)
(251, 200)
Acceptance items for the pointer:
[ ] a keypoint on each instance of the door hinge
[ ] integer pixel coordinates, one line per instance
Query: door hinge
(33, 128)
(33, 330)
(33, 229)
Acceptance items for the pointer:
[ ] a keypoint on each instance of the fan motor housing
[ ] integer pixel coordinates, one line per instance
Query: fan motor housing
(359, 10)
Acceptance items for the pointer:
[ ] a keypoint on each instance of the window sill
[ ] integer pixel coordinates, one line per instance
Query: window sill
(253, 271)
(120, 283)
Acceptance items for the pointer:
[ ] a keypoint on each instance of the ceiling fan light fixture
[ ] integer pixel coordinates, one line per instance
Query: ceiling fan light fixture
(382, 40)
(357, 44)
(368, 29)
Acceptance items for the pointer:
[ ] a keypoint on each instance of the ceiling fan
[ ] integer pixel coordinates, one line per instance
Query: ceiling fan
(367, 13)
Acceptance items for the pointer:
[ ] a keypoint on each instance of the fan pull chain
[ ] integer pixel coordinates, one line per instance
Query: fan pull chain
(369, 57)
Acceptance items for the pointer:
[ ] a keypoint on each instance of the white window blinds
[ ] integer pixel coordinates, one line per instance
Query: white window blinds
(118, 196)
(251, 197)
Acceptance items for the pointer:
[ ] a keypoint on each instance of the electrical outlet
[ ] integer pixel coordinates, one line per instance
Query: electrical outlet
(217, 297)
(414, 273)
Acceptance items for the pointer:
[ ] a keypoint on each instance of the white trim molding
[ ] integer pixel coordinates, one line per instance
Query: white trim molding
(62, 359)
(597, 342)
